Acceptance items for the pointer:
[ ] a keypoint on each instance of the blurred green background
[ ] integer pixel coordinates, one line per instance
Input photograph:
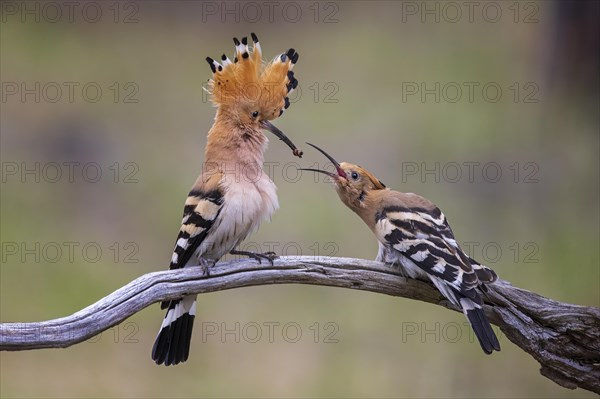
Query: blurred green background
(360, 62)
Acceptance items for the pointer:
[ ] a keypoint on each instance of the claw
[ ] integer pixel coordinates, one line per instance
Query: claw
(205, 264)
(270, 256)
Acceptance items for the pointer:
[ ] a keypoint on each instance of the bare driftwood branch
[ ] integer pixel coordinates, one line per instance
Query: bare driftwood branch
(563, 338)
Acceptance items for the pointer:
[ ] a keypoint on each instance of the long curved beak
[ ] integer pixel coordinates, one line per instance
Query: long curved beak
(271, 128)
(338, 168)
(332, 175)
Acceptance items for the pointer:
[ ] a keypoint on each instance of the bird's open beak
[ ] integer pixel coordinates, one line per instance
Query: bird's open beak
(338, 168)
(271, 128)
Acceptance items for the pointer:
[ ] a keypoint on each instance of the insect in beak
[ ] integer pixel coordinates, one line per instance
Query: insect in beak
(271, 128)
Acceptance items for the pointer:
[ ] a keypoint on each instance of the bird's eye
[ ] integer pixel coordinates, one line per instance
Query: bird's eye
(354, 175)
(255, 114)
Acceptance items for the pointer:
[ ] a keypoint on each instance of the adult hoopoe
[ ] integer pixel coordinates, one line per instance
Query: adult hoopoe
(233, 195)
(414, 234)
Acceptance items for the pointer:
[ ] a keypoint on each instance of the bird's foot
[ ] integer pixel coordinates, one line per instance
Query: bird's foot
(205, 264)
(270, 256)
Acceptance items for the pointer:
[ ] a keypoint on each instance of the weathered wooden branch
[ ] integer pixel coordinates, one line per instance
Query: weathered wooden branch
(563, 338)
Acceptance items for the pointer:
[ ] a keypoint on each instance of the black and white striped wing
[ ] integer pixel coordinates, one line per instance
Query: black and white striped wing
(425, 237)
(199, 214)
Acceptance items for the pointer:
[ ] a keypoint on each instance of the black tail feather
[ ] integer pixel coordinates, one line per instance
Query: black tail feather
(172, 345)
(188, 338)
(174, 335)
(161, 346)
(483, 330)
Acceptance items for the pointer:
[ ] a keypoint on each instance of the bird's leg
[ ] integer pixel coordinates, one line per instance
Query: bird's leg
(270, 256)
(205, 264)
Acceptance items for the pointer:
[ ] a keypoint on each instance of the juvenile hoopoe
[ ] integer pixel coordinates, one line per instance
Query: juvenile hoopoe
(233, 195)
(415, 235)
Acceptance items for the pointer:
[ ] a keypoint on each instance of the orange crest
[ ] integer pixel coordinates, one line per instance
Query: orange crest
(248, 82)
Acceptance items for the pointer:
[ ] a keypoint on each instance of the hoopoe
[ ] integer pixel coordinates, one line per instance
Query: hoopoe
(415, 235)
(233, 195)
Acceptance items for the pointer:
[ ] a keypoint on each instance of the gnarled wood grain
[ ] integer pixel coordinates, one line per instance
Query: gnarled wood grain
(563, 338)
